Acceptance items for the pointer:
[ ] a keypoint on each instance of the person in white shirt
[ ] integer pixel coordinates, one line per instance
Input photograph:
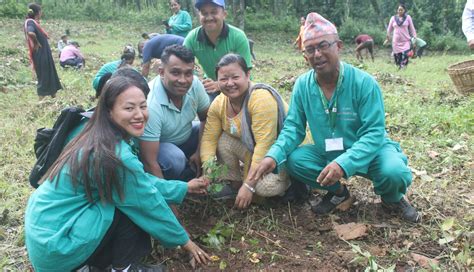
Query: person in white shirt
(468, 23)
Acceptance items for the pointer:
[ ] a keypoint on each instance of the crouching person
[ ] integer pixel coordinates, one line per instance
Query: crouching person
(170, 143)
(242, 124)
(96, 206)
(343, 107)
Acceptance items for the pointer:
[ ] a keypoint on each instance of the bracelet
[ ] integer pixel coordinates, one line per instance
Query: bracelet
(250, 188)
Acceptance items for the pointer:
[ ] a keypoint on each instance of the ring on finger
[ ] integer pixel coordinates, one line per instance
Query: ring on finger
(199, 253)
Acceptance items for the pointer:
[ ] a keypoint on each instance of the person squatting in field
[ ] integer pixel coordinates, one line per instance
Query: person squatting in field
(242, 123)
(344, 109)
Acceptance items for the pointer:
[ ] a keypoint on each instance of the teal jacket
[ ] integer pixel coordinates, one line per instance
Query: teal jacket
(180, 23)
(360, 120)
(62, 229)
(110, 67)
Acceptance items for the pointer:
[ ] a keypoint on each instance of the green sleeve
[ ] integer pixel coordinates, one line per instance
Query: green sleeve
(371, 133)
(294, 128)
(106, 68)
(145, 201)
(182, 23)
(242, 48)
(188, 41)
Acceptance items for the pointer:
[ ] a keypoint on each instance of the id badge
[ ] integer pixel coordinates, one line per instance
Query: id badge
(334, 144)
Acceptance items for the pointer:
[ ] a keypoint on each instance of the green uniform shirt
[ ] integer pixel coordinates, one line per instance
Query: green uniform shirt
(360, 120)
(62, 229)
(110, 67)
(180, 23)
(418, 42)
(231, 40)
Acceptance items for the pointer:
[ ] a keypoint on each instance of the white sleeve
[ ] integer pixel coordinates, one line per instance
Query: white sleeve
(468, 20)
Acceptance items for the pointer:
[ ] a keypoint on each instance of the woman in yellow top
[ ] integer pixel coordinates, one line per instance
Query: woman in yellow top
(242, 124)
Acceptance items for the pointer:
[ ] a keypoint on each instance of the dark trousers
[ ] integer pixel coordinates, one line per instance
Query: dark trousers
(420, 50)
(124, 243)
(401, 59)
(75, 62)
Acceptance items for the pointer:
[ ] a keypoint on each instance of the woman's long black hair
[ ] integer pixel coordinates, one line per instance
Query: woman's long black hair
(92, 156)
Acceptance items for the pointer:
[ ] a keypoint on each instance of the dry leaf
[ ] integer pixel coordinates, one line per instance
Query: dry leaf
(457, 147)
(423, 261)
(255, 258)
(351, 231)
(214, 258)
(346, 205)
(426, 178)
(433, 154)
(418, 172)
(192, 262)
(407, 244)
(378, 251)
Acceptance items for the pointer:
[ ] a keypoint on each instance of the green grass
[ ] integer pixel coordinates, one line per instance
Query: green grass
(434, 125)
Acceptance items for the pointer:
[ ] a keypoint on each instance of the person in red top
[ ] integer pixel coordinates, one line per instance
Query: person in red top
(364, 41)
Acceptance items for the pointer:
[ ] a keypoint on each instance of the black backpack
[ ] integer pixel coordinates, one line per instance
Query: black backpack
(49, 142)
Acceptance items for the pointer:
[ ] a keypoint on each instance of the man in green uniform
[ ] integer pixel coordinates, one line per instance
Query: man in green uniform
(214, 39)
(344, 109)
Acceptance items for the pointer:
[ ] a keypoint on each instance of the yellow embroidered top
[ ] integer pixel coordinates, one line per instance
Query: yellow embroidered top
(263, 110)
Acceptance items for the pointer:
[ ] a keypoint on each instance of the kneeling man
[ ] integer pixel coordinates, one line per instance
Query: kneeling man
(344, 109)
(169, 146)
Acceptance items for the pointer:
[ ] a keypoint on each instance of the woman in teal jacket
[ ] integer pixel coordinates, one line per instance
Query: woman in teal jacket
(180, 22)
(127, 58)
(96, 206)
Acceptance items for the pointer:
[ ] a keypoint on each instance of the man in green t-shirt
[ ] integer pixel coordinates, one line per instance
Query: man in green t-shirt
(214, 39)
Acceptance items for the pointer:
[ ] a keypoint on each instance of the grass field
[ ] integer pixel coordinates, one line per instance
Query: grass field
(424, 113)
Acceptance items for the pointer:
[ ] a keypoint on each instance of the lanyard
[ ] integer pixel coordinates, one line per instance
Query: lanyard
(331, 110)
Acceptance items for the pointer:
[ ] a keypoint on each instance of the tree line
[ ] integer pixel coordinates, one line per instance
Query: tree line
(438, 16)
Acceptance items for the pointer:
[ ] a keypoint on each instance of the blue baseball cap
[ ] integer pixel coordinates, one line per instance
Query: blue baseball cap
(200, 3)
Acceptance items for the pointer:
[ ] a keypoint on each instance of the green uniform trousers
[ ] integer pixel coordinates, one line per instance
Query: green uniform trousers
(388, 170)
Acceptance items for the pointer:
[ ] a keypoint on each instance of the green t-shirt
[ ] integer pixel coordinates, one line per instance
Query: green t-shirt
(231, 40)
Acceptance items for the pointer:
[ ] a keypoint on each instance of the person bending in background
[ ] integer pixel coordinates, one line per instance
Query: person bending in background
(418, 46)
(146, 37)
(127, 58)
(400, 30)
(242, 123)
(468, 23)
(96, 206)
(364, 41)
(40, 54)
(72, 56)
(214, 39)
(180, 22)
(155, 47)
